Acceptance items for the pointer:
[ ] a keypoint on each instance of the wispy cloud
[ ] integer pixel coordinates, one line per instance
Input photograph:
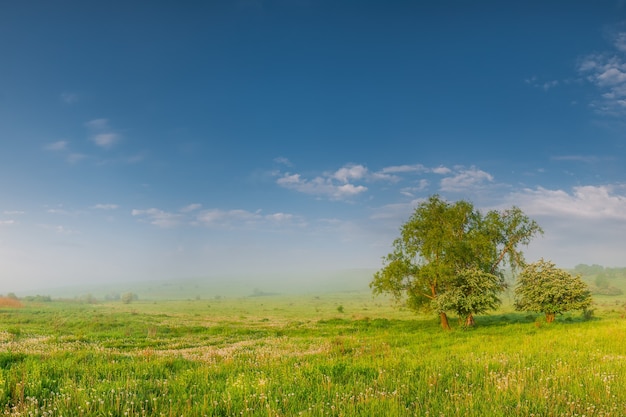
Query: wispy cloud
(590, 202)
(60, 229)
(105, 140)
(544, 85)
(13, 212)
(57, 146)
(607, 71)
(397, 169)
(283, 161)
(97, 124)
(584, 224)
(321, 186)
(158, 217)
(588, 159)
(466, 179)
(69, 97)
(7, 222)
(349, 180)
(245, 219)
(337, 185)
(102, 134)
(191, 207)
(217, 218)
(105, 206)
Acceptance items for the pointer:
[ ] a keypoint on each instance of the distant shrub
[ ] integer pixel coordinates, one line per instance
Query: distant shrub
(129, 297)
(88, 298)
(340, 309)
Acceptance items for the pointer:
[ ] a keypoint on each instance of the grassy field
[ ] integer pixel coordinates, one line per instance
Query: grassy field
(341, 354)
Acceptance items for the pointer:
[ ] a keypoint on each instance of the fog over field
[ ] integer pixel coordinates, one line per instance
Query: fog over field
(281, 144)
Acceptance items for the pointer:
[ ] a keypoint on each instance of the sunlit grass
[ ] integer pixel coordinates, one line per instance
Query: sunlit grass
(299, 355)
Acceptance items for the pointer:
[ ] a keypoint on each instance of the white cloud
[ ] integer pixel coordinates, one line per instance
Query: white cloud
(411, 191)
(7, 222)
(323, 186)
(610, 77)
(283, 161)
(57, 146)
(398, 169)
(344, 182)
(58, 211)
(336, 186)
(97, 124)
(441, 170)
(607, 71)
(586, 224)
(105, 206)
(244, 219)
(158, 217)
(13, 212)
(105, 140)
(280, 217)
(544, 85)
(350, 172)
(223, 217)
(584, 202)
(190, 207)
(465, 179)
(103, 136)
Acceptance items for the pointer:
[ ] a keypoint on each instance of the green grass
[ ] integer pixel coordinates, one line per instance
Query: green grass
(301, 355)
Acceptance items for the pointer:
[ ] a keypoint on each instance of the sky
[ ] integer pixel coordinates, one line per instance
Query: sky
(189, 139)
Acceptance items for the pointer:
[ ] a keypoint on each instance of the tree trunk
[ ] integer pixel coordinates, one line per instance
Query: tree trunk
(549, 317)
(444, 321)
(469, 321)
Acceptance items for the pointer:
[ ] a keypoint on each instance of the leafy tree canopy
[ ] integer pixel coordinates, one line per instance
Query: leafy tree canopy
(544, 288)
(450, 256)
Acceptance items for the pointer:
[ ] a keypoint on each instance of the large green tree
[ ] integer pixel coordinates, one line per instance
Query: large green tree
(449, 257)
(544, 288)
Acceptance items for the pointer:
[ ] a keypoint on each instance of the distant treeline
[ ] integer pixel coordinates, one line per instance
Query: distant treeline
(601, 279)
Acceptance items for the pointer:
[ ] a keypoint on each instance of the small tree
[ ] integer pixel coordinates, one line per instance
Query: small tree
(128, 297)
(544, 288)
(472, 292)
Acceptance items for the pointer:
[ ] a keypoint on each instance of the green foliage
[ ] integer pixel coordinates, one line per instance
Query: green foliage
(472, 292)
(544, 288)
(442, 246)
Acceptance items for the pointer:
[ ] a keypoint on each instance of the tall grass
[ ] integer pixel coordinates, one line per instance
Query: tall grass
(10, 302)
(290, 356)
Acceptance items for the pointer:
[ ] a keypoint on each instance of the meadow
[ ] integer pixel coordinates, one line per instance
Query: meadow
(325, 354)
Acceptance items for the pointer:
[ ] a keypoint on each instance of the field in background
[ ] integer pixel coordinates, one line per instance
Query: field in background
(335, 354)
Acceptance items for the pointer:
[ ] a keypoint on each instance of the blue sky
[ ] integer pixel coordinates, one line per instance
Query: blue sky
(159, 140)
